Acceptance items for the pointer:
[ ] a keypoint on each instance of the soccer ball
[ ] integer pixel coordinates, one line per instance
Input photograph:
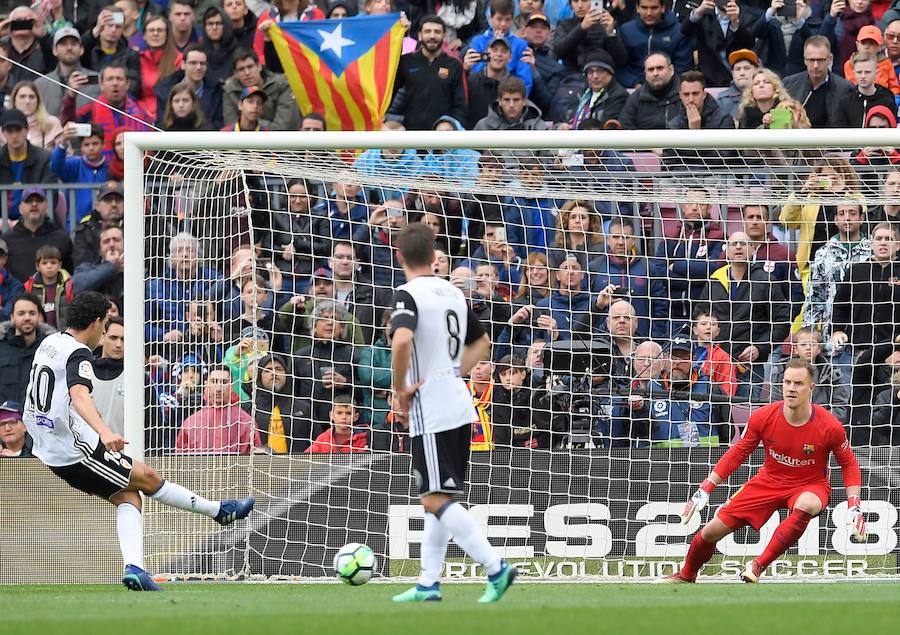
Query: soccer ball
(354, 564)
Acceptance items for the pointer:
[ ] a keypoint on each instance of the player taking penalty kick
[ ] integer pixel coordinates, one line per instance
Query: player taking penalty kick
(71, 438)
(798, 438)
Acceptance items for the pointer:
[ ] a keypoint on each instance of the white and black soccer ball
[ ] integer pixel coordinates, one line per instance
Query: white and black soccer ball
(354, 564)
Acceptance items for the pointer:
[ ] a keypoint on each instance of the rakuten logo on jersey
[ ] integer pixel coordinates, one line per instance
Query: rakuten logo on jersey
(790, 461)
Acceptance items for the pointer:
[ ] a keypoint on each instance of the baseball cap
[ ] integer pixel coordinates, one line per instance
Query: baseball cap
(13, 117)
(254, 333)
(743, 54)
(188, 361)
(499, 40)
(31, 191)
(10, 410)
(3, 246)
(599, 59)
(322, 272)
(870, 32)
(253, 90)
(111, 187)
(682, 344)
(537, 17)
(64, 32)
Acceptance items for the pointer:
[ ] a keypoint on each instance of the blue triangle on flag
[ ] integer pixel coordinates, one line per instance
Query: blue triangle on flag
(339, 43)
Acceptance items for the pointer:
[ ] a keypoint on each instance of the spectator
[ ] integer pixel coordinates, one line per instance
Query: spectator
(632, 276)
(853, 107)
(104, 273)
(183, 110)
(20, 161)
(689, 258)
(487, 284)
(179, 398)
(91, 166)
(892, 36)
(221, 426)
(19, 339)
(890, 190)
(7, 81)
(764, 247)
(30, 45)
(705, 25)
(241, 359)
(713, 360)
(300, 236)
(108, 210)
(375, 243)
(492, 315)
(483, 83)
(534, 361)
(15, 442)
(52, 285)
(754, 316)
(284, 422)
(251, 109)
(842, 25)
(501, 20)
(512, 110)
(117, 157)
(780, 35)
(832, 261)
(375, 377)
(698, 109)
(831, 389)
(181, 19)
(281, 11)
(537, 34)
(327, 367)
(429, 83)
(620, 334)
(885, 425)
(588, 31)
(34, 230)
(630, 424)
(345, 208)
(203, 336)
(685, 419)
(604, 97)
(764, 94)
(112, 93)
(460, 164)
(866, 315)
(196, 74)
(10, 286)
(389, 162)
(579, 233)
(535, 284)
(135, 11)
(870, 42)
(107, 35)
(219, 44)
(341, 437)
(362, 299)
(817, 88)
(313, 122)
(243, 21)
(481, 386)
(280, 111)
(441, 265)
(871, 161)
(744, 63)
(159, 60)
(531, 220)
(496, 250)
(109, 380)
(656, 102)
(166, 296)
(655, 29)
(517, 419)
(43, 128)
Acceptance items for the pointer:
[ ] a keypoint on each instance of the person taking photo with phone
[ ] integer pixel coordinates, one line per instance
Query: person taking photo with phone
(69, 76)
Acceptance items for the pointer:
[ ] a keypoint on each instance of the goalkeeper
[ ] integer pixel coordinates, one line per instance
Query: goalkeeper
(798, 438)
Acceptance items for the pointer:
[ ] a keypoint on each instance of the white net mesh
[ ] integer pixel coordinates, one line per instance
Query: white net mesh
(640, 304)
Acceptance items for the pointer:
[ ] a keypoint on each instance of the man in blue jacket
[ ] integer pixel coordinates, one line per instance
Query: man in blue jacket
(91, 166)
(655, 29)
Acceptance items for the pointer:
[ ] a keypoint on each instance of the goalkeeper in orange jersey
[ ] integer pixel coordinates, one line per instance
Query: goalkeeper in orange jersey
(798, 438)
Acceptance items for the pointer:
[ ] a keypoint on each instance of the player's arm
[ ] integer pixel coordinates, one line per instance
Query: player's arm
(79, 381)
(404, 319)
(852, 476)
(477, 344)
(730, 461)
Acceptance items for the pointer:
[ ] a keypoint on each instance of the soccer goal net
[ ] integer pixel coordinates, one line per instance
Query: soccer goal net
(642, 292)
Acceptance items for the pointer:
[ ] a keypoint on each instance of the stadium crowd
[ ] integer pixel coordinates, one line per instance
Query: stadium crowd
(281, 343)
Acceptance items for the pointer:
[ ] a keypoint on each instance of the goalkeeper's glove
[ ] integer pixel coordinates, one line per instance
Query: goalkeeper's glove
(855, 519)
(698, 500)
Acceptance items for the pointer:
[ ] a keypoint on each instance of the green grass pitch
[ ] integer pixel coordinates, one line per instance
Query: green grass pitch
(551, 609)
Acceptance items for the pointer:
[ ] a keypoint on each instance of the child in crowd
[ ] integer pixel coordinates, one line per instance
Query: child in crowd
(340, 437)
(51, 284)
(241, 358)
(712, 359)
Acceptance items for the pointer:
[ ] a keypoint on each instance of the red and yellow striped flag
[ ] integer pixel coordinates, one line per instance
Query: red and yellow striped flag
(342, 69)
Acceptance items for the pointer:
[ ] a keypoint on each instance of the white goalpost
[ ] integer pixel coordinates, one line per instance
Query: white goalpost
(264, 261)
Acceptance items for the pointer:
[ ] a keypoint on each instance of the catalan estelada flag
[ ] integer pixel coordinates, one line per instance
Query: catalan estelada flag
(343, 69)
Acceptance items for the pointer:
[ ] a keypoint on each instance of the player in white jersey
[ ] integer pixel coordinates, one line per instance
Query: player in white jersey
(436, 340)
(71, 438)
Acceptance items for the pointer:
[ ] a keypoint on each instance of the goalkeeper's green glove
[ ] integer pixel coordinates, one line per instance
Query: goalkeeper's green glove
(698, 501)
(856, 520)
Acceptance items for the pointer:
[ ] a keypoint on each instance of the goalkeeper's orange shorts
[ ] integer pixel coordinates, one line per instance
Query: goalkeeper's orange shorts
(755, 502)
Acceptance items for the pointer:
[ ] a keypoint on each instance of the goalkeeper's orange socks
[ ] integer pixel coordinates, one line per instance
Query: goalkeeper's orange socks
(698, 555)
(786, 536)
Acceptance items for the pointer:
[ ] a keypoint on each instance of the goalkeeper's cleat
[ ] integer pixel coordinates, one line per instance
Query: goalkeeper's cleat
(499, 583)
(421, 593)
(232, 510)
(752, 573)
(137, 579)
(675, 578)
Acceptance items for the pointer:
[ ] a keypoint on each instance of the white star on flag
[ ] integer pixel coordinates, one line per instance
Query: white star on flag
(334, 41)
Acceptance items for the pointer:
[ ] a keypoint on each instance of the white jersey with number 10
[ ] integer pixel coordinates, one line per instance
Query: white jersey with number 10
(438, 314)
